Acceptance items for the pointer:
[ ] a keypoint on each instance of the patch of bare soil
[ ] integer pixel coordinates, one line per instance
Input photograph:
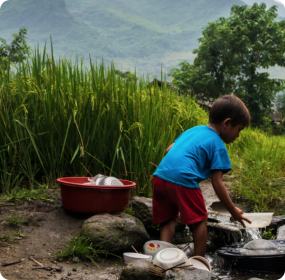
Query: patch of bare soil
(43, 230)
(47, 227)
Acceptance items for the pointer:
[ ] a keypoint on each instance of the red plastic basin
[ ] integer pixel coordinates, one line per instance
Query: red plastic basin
(77, 197)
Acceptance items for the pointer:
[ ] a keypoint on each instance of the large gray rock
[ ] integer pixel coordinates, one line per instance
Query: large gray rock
(117, 232)
(189, 274)
(142, 208)
(281, 233)
(139, 270)
(220, 235)
(277, 221)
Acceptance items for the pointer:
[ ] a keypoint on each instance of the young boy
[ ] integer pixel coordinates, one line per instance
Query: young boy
(197, 154)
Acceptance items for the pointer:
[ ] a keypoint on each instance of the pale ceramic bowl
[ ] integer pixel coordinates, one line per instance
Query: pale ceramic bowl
(169, 257)
(129, 257)
(152, 247)
(200, 263)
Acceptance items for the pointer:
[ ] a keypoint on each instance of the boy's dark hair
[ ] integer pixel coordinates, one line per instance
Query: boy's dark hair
(229, 106)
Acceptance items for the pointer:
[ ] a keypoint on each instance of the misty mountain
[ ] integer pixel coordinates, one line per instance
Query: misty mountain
(144, 34)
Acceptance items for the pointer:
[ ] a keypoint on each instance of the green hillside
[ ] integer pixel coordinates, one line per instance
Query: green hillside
(142, 34)
(45, 18)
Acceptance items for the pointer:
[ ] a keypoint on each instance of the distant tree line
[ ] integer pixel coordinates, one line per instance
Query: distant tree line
(17, 51)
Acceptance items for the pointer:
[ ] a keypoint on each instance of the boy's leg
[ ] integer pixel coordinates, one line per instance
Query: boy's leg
(167, 231)
(200, 237)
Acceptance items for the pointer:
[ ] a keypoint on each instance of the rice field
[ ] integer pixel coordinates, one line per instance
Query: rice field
(60, 119)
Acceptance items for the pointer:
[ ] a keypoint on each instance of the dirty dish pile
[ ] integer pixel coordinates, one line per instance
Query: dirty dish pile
(80, 195)
(102, 180)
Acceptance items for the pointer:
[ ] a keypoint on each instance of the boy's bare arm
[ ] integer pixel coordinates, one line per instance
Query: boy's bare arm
(167, 150)
(223, 195)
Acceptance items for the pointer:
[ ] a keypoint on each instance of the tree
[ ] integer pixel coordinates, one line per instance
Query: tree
(17, 51)
(280, 105)
(231, 54)
(127, 75)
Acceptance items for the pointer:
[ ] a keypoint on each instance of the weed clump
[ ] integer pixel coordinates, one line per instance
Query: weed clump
(268, 234)
(84, 249)
(129, 210)
(5, 238)
(28, 195)
(15, 220)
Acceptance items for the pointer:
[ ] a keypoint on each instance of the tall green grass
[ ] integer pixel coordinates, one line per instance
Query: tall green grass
(60, 119)
(258, 162)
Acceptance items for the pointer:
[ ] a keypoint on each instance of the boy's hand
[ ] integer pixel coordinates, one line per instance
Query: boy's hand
(222, 193)
(237, 215)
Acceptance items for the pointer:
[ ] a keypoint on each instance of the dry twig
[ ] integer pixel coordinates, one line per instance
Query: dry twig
(160, 267)
(174, 266)
(155, 272)
(11, 263)
(35, 261)
(135, 249)
(182, 266)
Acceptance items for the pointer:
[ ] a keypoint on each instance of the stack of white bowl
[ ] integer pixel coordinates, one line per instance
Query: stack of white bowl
(166, 255)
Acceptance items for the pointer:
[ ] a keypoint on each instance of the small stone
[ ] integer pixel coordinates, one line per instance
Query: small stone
(74, 269)
(281, 232)
(75, 260)
(69, 273)
(67, 262)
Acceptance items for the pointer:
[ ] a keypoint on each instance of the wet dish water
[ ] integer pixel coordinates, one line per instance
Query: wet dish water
(232, 274)
(267, 261)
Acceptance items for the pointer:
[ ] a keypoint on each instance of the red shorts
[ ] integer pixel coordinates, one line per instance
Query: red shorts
(169, 199)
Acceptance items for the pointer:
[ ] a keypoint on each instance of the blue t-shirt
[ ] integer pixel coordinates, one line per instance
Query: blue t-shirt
(195, 153)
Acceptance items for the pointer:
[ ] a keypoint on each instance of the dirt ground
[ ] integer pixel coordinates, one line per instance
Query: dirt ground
(46, 227)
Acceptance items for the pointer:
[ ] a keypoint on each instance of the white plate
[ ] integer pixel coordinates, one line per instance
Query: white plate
(170, 257)
(258, 220)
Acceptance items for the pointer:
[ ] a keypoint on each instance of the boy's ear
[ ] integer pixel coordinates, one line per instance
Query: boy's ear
(227, 122)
